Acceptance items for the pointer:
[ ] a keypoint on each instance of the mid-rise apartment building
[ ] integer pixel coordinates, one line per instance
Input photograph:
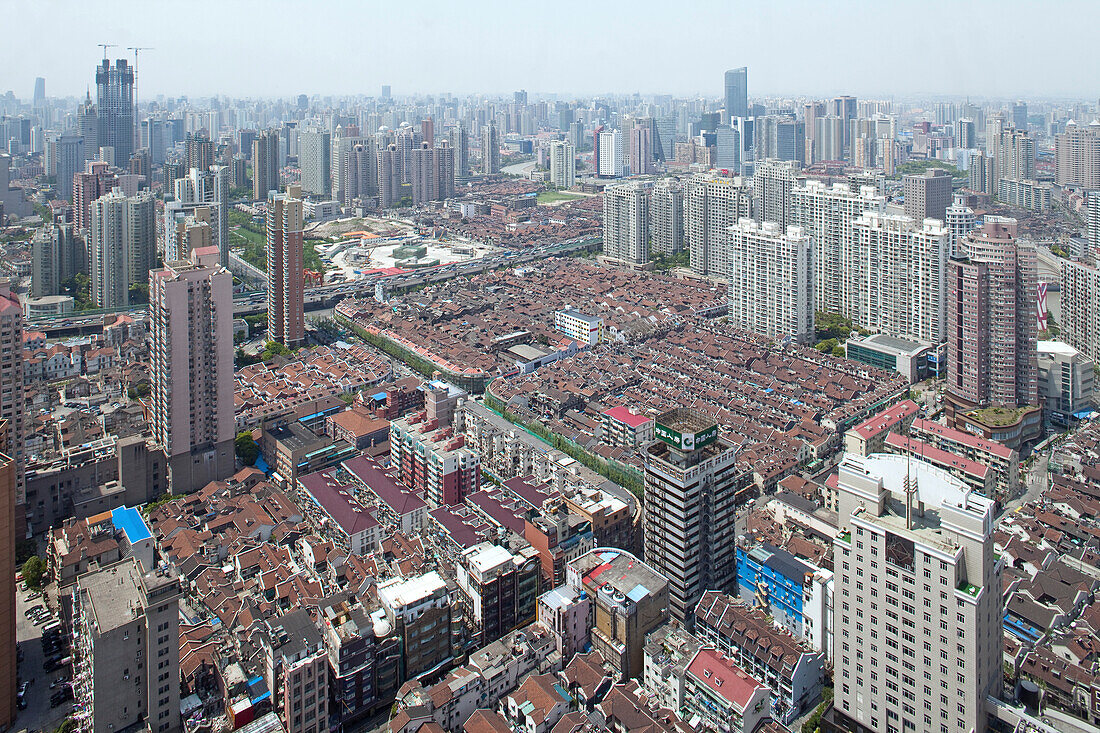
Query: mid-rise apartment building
(1077, 155)
(265, 164)
(666, 217)
(191, 329)
(1080, 305)
(126, 631)
(771, 280)
(418, 610)
(563, 164)
(917, 610)
(315, 161)
(433, 460)
(363, 667)
(772, 182)
(296, 672)
(490, 150)
(122, 246)
(927, 195)
(579, 326)
(1066, 382)
(498, 590)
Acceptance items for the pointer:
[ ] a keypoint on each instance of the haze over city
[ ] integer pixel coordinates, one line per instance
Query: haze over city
(246, 49)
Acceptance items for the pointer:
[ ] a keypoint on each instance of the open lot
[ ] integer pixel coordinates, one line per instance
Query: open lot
(38, 715)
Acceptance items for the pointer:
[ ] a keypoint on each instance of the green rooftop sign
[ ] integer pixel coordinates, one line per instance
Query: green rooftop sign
(686, 441)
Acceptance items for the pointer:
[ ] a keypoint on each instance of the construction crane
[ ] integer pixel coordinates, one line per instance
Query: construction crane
(135, 49)
(105, 46)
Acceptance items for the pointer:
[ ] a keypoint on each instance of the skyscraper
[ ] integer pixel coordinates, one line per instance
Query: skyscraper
(123, 246)
(641, 148)
(265, 164)
(460, 143)
(901, 289)
(198, 151)
(828, 138)
(70, 161)
(928, 195)
(966, 135)
(39, 92)
(56, 256)
(210, 188)
(563, 164)
(917, 617)
(1079, 305)
(827, 215)
(692, 489)
(490, 150)
(115, 108)
(96, 180)
(1019, 115)
(712, 204)
(771, 281)
(959, 219)
(781, 138)
(432, 175)
(626, 223)
(360, 172)
(1077, 155)
(666, 217)
(991, 323)
(609, 152)
(390, 189)
(315, 161)
(737, 92)
(342, 144)
(87, 126)
(772, 182)
(285, 287)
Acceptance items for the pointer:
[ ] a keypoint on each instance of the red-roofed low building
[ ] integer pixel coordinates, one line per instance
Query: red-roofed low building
(975, 475)
(870, 435)
(723, 695)
(625, 429)
(1004, 462)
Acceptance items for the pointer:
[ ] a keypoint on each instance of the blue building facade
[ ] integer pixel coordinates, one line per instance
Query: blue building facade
(771, 578)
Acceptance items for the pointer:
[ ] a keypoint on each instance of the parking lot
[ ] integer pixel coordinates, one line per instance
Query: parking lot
(38, 715)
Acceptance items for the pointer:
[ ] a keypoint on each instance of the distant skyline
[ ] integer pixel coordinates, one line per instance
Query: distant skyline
(1010, 48)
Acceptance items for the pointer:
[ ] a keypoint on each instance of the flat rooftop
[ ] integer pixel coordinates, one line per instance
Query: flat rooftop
(618, 571)
(114, 595)
(401, 592)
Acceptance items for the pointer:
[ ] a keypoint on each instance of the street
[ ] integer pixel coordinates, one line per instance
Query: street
(38, 716)
(1034, 481)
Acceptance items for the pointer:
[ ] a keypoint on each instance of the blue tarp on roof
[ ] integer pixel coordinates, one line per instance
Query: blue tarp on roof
(129, 520)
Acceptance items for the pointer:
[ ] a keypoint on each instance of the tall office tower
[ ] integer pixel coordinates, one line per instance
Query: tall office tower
(386, 91)
(626, 223)
(827, 216)
(39, 92)
(1079, 303)
(360, 172)
(902, 289)
(641, 148)
(191, 314)
(1019, 115)
(727, 149)
(427, 131)
(772, 182)
(991, 324)
(610, 152)
(96, 180)
(265, 164)
(126, 628)
(198, 151)
(123, 246)
(1077, 155)
(460, 143)
(70, 161)
(771, 281)
(737, 92)
(315, 160)
(946, 112)
(115, 107)
(959, 220)
(563, 164)
(87, 126)
(285, 287)
(576, 135)
(781, 138)
(828, 138)
(389, 176)
(56, 256)
(914, 566)
(966, 135)
(432, 176)
(692, 489)
(811, 111)
(845, 108)
(154, 136)
(928, 195)
(7, 566)
(490, 150)
(713, 204)
(666, 217)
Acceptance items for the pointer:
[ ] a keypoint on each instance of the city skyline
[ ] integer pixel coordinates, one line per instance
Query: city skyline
(457, 53)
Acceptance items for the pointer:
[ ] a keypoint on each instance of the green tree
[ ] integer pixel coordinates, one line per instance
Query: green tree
(34, 571)
(246, 448)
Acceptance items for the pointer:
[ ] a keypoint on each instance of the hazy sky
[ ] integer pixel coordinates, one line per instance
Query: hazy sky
(1004, 48)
